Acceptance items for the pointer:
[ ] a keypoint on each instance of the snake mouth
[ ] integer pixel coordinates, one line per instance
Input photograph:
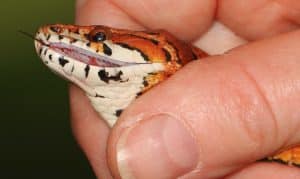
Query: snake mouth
(84, 55)
(76, 49)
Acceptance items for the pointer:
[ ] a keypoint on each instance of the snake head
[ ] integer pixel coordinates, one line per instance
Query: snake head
(113, 66)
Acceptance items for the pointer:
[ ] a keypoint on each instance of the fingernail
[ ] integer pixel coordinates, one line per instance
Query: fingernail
(159, 147)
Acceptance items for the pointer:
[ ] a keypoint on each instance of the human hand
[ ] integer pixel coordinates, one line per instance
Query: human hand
(226, 111)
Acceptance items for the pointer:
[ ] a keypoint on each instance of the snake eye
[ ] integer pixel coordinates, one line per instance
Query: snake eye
(98, 37)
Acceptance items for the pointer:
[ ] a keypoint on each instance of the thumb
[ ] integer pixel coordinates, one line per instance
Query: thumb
(213, 116)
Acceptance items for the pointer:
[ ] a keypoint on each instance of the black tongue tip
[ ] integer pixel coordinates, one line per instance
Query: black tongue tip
(27, 34)
(31, 36)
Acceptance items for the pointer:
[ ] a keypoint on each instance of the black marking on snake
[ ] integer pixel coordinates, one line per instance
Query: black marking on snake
(76, 31)
(55, 29)
(107, 50)
(139, 94)
(60, 37)
(126, 46)
(152, 73)
(48, 37)
(50, 57)
(62, 61)
(104, 76)
(73, 41)
(176, 52)
(45, 52)
(99, 96)
(88, 44)
(72, 69)
(87, 70)
(40, 51)
(86, 36)
(145, 82)
(145, 57)
(167, 55)
(119, 112)
(153, 33)
(153, 41)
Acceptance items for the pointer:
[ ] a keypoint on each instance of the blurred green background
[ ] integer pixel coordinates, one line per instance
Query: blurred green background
(36, 139)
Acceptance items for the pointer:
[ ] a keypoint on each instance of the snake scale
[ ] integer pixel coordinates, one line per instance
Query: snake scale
(115, 66)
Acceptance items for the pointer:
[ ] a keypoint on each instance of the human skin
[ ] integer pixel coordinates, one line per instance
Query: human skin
(215, 117)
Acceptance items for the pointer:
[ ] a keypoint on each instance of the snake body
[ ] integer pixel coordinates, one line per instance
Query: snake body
(115, 66)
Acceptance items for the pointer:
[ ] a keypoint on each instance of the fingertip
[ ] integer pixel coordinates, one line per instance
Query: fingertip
(94, 12)
(195, 16)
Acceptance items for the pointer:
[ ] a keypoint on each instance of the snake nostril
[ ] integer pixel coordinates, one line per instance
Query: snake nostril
(56, 29)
